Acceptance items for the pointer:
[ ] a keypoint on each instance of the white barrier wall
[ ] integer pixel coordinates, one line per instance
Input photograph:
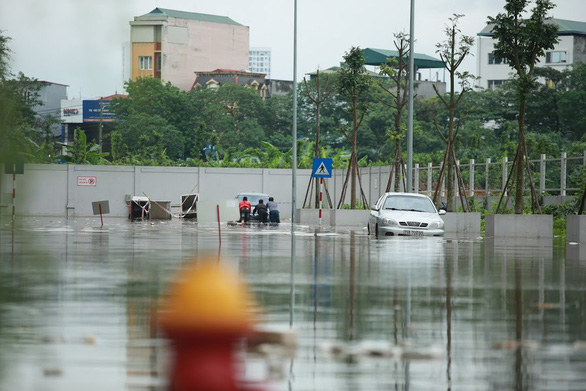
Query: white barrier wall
(69, 190)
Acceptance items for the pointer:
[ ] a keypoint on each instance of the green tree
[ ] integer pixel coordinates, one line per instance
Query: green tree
(146, 125)
(521, 42)
(48, 149)
(572, 102)
(18, 136)
(156, 107)
(352, 84)
(397, 69)
(317, 91)
(452, 52)
(278, 120)
(229, 116)
(82, 153)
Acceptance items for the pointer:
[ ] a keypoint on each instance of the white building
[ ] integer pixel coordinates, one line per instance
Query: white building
(50, 96)
(259, 61)
(570, 50)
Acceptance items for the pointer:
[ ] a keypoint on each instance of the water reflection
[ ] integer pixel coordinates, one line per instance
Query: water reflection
(77, 302)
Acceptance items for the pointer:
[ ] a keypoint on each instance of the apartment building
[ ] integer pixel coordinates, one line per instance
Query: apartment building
(259, 61)
(172, 45)
(570, 50)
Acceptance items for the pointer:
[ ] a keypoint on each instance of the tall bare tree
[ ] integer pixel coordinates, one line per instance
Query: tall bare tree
(318, 94)
(352, 84)
(521, 42)
(452, 52)
(397, 69)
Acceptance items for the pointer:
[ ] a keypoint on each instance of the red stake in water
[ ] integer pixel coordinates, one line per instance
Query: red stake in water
(219, 230)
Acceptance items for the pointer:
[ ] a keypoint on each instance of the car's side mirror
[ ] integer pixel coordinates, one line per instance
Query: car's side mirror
(374, 208)
(442, 212)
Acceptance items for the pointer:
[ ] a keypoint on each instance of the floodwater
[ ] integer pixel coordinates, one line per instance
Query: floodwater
(77, 305)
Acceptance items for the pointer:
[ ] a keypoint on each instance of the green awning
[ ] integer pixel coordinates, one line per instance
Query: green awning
(379, 56)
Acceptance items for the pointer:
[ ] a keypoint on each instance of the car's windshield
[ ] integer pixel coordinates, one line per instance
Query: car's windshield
(416, 204)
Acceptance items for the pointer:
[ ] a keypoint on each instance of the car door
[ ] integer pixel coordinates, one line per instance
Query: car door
(374, 213)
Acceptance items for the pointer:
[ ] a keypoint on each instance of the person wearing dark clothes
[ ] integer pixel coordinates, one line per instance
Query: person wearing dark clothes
(261, 209)
(244, 210)
(273, 211)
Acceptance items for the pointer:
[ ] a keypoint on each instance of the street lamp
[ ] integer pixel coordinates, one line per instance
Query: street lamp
(410, 113)
(294, 165)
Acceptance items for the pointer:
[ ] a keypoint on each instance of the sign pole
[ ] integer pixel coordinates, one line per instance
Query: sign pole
(322, 168)
(219, 231)
(13, 191)
(321, 183)
(101, 207)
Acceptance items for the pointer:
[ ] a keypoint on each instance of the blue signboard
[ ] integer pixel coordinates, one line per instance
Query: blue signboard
(92, 111)
(322, 168)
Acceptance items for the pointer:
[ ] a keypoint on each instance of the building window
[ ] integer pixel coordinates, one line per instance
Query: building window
(493, 84)
(158, 62)
(495, 61)
(145, 63)
(556, 57)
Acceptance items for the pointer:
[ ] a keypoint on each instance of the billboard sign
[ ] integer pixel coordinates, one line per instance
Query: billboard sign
(71, 111)
(92, 112)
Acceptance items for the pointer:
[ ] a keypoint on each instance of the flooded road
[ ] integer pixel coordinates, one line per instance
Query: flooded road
(77, 304)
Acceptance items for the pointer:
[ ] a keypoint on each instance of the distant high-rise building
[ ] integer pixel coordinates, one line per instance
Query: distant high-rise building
(172, 45)
(259, 61)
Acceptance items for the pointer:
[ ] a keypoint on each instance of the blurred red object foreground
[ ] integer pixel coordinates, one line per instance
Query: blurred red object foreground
(205, 314)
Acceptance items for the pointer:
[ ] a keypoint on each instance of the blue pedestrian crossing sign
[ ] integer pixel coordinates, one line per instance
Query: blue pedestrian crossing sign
(322, 168)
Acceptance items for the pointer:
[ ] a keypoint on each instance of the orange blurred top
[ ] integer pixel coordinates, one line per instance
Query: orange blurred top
(207, 297)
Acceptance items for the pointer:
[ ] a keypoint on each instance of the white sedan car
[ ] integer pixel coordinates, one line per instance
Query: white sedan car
(405, 214)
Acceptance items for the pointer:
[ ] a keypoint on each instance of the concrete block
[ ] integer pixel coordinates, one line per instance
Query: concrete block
(311, 217)
(576, 253)
(207, 211)
(465, 223)
(519, 226)
(349, 217)
(576, 229)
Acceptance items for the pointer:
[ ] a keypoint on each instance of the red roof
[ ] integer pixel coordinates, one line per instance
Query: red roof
(221, 70)
(110, 97)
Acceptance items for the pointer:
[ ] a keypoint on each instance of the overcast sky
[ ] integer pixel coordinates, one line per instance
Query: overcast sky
(79, 42)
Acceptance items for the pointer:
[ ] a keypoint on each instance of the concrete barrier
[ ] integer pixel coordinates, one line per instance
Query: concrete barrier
(462, 223)
(207, 211)
(68, 190)
(349, 217)
(519, 226)
(311, 217)
(333, 217)
(576, 252)
(576, 229)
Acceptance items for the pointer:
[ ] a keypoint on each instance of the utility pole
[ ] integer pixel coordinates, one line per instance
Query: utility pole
(101, 121)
